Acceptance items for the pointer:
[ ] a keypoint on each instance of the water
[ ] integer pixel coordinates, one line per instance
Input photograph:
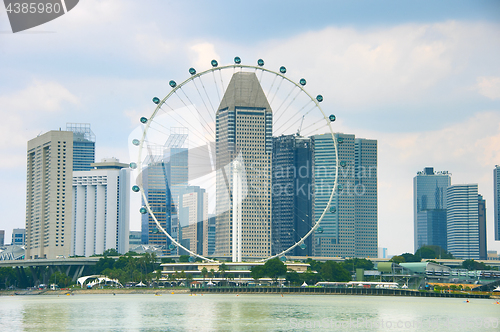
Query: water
(247, 312)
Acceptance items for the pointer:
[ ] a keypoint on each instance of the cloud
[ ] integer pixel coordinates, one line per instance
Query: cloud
(468, 149)
(203, 54)
(25, 112)
(404, 64)
(489, 87)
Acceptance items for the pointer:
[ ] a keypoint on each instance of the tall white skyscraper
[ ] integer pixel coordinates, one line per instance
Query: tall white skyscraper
(48, 195)
(243, 183)
(462, 221)
(101, 209)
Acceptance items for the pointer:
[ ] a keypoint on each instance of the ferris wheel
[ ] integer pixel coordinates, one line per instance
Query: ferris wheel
(184, 123)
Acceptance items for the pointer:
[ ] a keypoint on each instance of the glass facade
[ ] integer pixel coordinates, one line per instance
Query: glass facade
(429, 191)
(83, 146)
(292, 183)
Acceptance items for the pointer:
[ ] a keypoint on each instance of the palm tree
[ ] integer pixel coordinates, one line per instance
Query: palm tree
(204, 273)
(222, 270)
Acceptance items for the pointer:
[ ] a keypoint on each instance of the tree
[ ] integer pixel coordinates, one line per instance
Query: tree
(103, 264)
(257, 272)
(167, 260)
(111, 252)
(397, 259)
(222, 270)
(183, 258)
(60, 279)
(292, 277)
(274, 268)
(411, 257)
(315, 265)
(204, 273)
(471, 265)
(358, 263)
(310, 277)
(332, 271)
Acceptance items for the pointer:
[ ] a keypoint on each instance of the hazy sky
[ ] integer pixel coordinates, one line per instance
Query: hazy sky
(421, 77)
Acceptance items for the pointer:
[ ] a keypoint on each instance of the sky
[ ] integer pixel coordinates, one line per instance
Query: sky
(421, 77)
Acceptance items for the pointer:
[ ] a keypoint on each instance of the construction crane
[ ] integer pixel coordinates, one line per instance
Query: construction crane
(300, 127)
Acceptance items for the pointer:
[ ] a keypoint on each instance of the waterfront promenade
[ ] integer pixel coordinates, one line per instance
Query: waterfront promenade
(336, 291)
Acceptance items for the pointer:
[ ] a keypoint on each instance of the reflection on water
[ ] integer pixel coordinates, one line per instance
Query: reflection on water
(214, 312)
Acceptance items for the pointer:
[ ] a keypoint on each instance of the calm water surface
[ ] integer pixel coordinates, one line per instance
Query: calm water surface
(247, 312)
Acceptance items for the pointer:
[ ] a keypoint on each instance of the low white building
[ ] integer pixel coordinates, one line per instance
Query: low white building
(101, 213)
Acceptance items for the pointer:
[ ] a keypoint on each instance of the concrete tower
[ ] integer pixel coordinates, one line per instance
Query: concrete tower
(243, 183)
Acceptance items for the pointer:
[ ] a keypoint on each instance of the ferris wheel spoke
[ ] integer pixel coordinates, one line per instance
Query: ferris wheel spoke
(209, 100)
(284, 111)
(293, 116)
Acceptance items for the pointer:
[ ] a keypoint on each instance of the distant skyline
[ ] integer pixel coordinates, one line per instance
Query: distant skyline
(420, 77)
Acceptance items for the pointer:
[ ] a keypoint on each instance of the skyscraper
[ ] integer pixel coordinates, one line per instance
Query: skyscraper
(193, 219)
(48, 195)
(163, 179)
(349, 227)
(496, 194)
(429, 208)
(243, 180)
(292, 197)
(366, 197)
(83, 146)
(463, 221)
(101, 209)
(483, 247)
(2, 237)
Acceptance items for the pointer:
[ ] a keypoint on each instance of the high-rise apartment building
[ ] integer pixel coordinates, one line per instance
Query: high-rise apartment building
(193, 219)
(83, 146)
(101, 209)
(2, 237)
(18, 236)
(349, 227)
(292, 197)
(483, 240)
(243, 180)
(463, 221)
(48, 195)
(429, 208)
(496, 197)
(365, 197)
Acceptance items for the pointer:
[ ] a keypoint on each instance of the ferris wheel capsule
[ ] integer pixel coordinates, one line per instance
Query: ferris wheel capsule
(283, 69)
(144, 119)
(260, 62)
(302, 81)
(135, 188)
(156, 100)
(192, 71)
(331, 117)
(303, 246)
(143, 210)
(333, 209)
(214, 63)
(320, 229)
(237, 60)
